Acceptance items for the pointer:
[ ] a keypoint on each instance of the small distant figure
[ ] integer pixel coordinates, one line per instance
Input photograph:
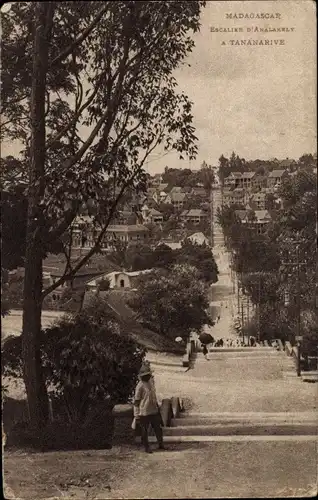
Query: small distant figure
(204, 350)
(218, 318)
(221, 343)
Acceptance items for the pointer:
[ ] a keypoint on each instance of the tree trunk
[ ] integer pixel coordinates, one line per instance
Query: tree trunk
(32, 299)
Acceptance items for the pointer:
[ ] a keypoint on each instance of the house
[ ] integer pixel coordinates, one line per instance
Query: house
(161, 197)
(238, 196)
(246, 180)
(151, 215)
(263, 217)
(257, 219)
(199, 239)
(287, 163)
(176, 189)
(242, 215)
(194, 216)
(122, 280)
(239, 180)
(85, 233)
(227, 195)
(259, 181)
(126, 217)
(176, 199)
(232, 179)
(152, 194)
(276, 177)
(258, 201)
(156, 180)
(54, 268)
(200, 192)
(132, 234)
(174, 245)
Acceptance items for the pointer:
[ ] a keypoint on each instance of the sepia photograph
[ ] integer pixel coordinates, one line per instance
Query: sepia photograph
(159, 295)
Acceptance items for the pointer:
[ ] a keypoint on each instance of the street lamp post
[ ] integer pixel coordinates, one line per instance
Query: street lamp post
(259, 310)
(242, 321)
(248, 320)
(298, 339)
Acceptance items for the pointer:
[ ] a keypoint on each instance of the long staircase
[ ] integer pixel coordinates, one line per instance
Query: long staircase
(218, 239)
(243, 395)
(239, 393)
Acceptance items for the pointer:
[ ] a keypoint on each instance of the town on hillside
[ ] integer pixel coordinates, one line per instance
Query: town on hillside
(159, 298)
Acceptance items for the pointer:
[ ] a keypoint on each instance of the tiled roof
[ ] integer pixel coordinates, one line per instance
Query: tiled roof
(175, 197)
(98, 264)
(241, 213)
(134, 228)
(195, 212)
(287, 162)
(198, 190)
(176, 189)
(248, 175)
(199, 238)
(235, 174)
(262, 214)
(276, 173)
(153, 211)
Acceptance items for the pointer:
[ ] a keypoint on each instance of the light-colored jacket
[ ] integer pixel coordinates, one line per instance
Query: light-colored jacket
(145, 402)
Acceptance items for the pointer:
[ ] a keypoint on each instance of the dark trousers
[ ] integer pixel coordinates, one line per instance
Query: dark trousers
(155, 422)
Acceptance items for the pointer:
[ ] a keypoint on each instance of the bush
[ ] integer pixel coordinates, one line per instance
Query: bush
(87, 361)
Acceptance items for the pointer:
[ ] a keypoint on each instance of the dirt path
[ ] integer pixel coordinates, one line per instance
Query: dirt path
(208, 470)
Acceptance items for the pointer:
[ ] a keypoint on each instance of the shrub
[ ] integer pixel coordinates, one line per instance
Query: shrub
(87, 361)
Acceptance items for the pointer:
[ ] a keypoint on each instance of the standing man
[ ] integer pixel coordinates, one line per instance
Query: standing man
(146, 408)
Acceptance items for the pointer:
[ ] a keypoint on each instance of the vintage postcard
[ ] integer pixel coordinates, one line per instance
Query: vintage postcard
(159, 304)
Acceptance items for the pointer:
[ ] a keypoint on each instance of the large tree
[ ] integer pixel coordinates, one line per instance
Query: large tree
(88, 91)
(200, 257)
(172, 302)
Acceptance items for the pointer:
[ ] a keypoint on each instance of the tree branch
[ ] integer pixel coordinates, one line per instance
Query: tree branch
(74, 119)
(92, 251)
(58, 59)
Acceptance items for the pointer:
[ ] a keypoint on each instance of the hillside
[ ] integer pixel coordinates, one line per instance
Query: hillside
(117, 301)
(98, 262)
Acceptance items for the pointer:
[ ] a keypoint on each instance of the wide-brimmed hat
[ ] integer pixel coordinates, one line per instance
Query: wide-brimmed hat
(145, 370)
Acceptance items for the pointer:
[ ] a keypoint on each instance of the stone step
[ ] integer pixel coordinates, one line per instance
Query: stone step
(305, 428)
(239, 420)
(304, 415)
(249, 350)
(233, 439)
(310, 376)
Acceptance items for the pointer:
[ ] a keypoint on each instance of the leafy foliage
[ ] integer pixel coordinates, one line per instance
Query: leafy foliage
(88, 91)
(111, 99)
(86, 359)
(200, 257)
(172, 302)
(267, 264)
(137, 258)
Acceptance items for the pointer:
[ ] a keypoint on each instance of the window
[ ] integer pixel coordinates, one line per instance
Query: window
(122, 283)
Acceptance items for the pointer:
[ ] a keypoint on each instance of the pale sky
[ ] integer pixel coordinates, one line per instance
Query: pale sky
(259, 101)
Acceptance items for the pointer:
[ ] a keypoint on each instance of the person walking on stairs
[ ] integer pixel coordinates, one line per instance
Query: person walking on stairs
(204, 350)
(146, 408)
